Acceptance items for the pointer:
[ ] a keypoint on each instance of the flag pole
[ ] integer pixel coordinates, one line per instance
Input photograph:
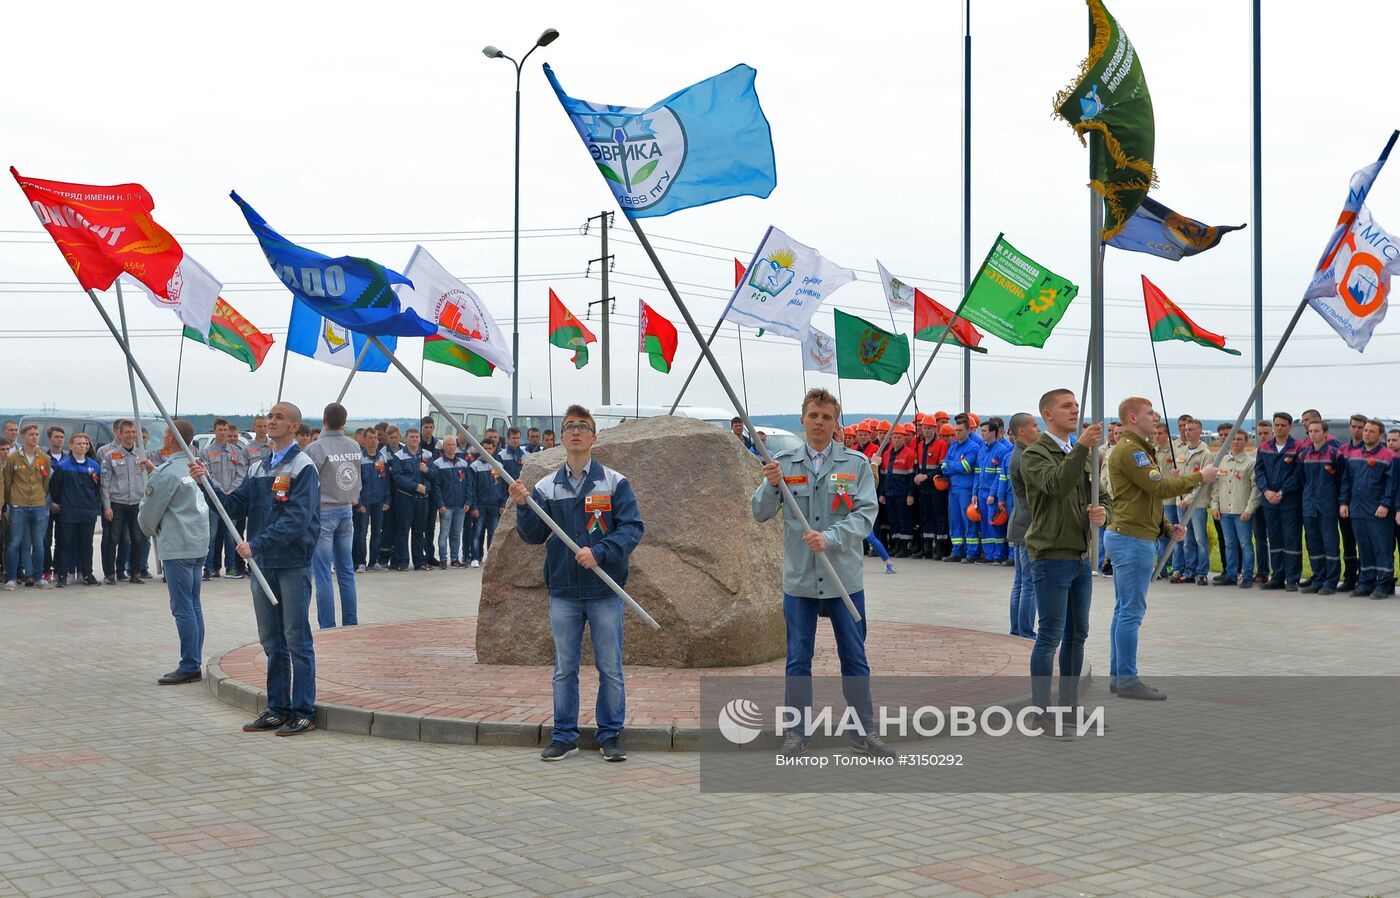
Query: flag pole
(789, 502)
(505, 475)
(743, 375)
(549, 365)
(1255, 393)
(1095, 354)
(913, 360)
(637, 386)
(698, 361)
(942, 338)
(282, 378)
(136, 371)
(967, 189)
(130, 377)
(353, 368)
(710, 341)
(1162, 394)
(179, 369)
(1256, 202)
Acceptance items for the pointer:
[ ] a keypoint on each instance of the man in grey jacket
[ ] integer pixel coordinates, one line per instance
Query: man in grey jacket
(174, 513)
(337, 460)
(835, 489)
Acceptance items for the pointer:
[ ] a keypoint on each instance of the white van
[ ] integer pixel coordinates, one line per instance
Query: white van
(613, 415)
(477, 411)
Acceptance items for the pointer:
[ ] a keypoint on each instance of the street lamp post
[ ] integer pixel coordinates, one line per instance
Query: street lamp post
(546, 38)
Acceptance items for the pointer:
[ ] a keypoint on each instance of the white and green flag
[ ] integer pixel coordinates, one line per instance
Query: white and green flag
(785, 284)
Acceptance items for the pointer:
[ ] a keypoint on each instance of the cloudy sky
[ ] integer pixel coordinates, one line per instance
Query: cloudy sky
(365, 128)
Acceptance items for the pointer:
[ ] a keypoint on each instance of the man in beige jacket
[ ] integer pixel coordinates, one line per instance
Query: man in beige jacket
(1192, 455)
(1234, 499)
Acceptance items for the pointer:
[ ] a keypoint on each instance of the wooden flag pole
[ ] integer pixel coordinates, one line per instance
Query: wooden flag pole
(789, 502)
(505, 475)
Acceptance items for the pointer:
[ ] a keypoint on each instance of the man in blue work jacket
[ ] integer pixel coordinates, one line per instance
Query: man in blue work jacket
(412, 482)
(962, 465)
(281, 496)
(835, 489)
(1368, 499)
(993, 490)
(1324, 466)
(1279, 476)
(595, 506)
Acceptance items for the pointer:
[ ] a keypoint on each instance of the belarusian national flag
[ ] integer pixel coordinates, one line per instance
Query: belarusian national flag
(448, 352)
(656, 337)
(567, 332)
(230, 332)
(1166, 321)
(460, 315)
(864, 352)
(104, 232)
(931, 318)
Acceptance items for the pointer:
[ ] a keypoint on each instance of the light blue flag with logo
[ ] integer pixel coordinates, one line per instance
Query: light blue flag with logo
(318, 337)
(355, 293)
(706, 143)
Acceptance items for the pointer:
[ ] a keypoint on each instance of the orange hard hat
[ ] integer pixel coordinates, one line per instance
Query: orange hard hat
(907, 429)
(940, 482)
(884, 425)
(947, 430)
(864, 425)
(973, 512)
(973, 420)
(849, 431)
(999, 519)
(941, 417)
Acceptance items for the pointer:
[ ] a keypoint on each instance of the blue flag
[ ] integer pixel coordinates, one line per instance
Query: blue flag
(315, 336)
(354, 293)
(706, 143)
(1156, 230)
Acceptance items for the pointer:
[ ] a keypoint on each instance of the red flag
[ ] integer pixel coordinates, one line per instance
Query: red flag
(657, 337)
(105, 231)
(567, 332)
(931, 317)
(739, 271)
(1166, 321)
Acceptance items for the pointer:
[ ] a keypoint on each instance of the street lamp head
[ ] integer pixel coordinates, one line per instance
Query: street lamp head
(547, 37)
(491, 52)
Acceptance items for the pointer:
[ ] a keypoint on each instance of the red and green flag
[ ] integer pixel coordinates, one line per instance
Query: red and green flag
(656, 337)
(448, 352)
(931, 318)
(865, 352)
(230, 332)
(567, 332)
(1166, 321)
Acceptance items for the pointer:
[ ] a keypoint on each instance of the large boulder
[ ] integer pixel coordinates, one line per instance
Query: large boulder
(708, 573)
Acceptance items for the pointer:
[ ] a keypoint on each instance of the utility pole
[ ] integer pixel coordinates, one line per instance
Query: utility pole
(604, 220)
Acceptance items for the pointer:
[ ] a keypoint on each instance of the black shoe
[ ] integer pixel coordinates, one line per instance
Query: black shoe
(1359, 592)
(966, 560)
(1202, 581)
(135, 580)
(983, 560)
(1327, 591)
(612, 750)
(110, 580)
(208, 576)
(1246, 583)
(1113, 688)
(296, 726)
(1272, 584)
(266, 722)
(1142, 691)
(146, 575)
(1226, 581)
(1053, 726)
(558, 751)
(952, 559)
(901, 550)
(1346, 586)
(794, 746)
(59, 583)
(873, 745)
(177, 677)
(918, 551)
(90, 580)
(1165, 575)
(1381, 594)
(1291, 587)
(1311, 588)
(1305, 583)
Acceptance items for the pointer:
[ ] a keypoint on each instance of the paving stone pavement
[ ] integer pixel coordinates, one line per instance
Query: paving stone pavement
(110, 785)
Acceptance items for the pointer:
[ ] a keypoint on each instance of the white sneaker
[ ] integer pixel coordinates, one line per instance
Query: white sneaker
(43, 584)
(360, 569)
(475, 563)
(9, 585)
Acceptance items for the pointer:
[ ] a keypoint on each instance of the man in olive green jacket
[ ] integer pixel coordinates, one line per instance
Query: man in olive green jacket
(1056, 475)
(1138, 490)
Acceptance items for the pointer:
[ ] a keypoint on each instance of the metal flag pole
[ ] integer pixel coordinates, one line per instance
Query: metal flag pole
(1096, 344)
(743, 376)
(913, 358)
(1258, 389)
(549, 365)
(131, 378)
(286, 351)
(353, 368)
(1256, 202)
(942, 338)
(967, 188)
(760, 447)
(179, 370)
(1088, 367)
(1162, 394)
(710, 341)
(505, 475)
(185, 447)
(637, 384)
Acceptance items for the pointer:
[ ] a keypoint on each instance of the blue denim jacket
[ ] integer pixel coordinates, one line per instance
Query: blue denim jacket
(603, 515)
(283, 506)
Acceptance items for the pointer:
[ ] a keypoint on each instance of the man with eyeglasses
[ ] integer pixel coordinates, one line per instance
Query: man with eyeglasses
(595, 506)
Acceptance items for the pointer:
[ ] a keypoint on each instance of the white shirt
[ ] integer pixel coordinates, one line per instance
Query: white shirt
(815, 459)
(1063, 444)
(576, 483)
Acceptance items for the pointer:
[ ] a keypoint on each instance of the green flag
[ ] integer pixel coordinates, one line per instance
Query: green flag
(864, 352)
(1016, 298)
(1109, 101)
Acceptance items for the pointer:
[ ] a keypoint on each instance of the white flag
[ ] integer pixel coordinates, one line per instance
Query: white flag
(785, 285)
(1352, 284)
(460, 314)
(897, 293)
(818, 351)
(190, 294)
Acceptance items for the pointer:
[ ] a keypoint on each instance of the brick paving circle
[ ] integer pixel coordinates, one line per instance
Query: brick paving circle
(429, 668)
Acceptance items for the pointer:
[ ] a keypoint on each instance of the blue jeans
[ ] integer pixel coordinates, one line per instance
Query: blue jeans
(566, 620)
(1022, 594)
(484, 530)
(1063, 590)
(337, 531)
(1133, 560)
(1239, 547)
(1197, 545)
(182, 581)
(285, 633)
(1177, 563)
(27, 525)
(1324, 548)
(800, 614)
(450, 534)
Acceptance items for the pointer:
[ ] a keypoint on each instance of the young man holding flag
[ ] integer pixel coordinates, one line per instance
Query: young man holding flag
(595, 505)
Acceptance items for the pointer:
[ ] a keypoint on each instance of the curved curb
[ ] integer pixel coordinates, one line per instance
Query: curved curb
(445, 730)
